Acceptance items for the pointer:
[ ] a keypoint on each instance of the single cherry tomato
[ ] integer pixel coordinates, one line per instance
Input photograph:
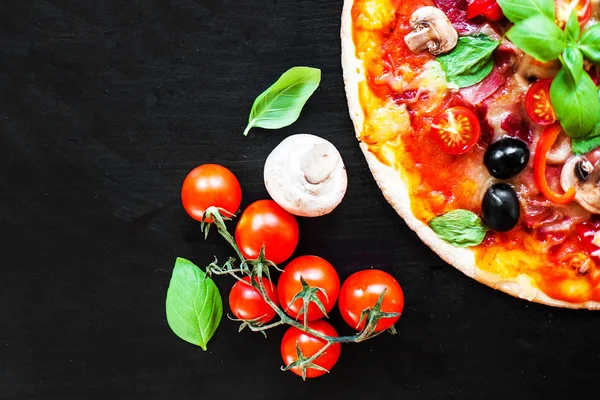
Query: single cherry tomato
(490, 9)
(456, 130)
(264, 222)
(317, 273)
(210, 185)
(246, 302)
(583, 9)
(309, 346)
(589, 235)
(544, 145)
(362, 290)
(537, 103)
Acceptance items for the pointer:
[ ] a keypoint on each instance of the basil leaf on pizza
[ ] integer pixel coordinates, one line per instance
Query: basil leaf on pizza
(590, 44)
(573, 60)
(539, 37)
(590, 142)
(519, 10)
(460, 228)
(281, 103)
(470, 61)
(576, 103)
(572, 28)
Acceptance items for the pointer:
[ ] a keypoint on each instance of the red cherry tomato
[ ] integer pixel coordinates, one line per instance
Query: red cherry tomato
(264, 222)
(490, 9)
(456, 130)
(583, 8)
(309, 346)
(210, 185)
(362, 290)
(537, 103)
(589, 235)
(246, 302)
(317, 273)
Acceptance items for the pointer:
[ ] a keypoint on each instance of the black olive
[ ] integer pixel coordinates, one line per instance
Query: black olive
(500, 207)
(506, 157)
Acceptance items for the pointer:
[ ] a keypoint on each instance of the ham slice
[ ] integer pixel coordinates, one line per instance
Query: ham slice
(456, 11)
(477, 93)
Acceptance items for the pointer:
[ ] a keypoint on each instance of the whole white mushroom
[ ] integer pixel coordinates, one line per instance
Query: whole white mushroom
(306, 176)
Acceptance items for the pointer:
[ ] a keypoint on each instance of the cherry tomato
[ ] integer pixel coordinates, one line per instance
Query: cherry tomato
(309, 346)
(583, 8)
(490, 9)
(246, 302)
(456, 130)
(544, 145)
(317, 273)
(210, 185)
(362, 290)
(264, 222)
(589, 235)
(537, 103)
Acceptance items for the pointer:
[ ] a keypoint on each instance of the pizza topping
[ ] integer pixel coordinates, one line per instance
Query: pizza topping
(461, 228)
(456, 130)
(306, 176)
(589, 234)
(538, 105)
(529, 69)
(487, 8)
(471, 61)
(506, 157)
(560, 151)
(544, 145)
(431, 30)
(500, 207)
(580, 174)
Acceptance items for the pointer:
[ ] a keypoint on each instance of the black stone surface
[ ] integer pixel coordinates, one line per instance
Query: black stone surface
(105, 106)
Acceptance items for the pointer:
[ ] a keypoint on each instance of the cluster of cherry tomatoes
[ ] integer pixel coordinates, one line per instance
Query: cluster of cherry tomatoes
(265, 223)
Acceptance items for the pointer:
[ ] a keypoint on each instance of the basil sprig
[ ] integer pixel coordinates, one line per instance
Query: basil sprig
(461, 228)
(281, 103)
(572, 91)
(194, 306)
(470, 61)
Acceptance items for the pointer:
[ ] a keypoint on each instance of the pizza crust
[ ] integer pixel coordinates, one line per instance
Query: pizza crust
(395, 190)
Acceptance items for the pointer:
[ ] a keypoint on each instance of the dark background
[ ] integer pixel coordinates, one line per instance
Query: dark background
(105, 106)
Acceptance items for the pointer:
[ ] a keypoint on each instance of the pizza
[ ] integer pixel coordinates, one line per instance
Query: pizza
(480, 122)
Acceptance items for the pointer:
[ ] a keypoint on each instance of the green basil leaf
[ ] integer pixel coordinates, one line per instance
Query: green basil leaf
(572, 28)
(590, 44)
(194, 306)
(576, 104)
(470, 61)
(539, 37)
(584, 145)
(574, 62)
(519, 10)
(461, 228)
(591, 141)
(281, 103)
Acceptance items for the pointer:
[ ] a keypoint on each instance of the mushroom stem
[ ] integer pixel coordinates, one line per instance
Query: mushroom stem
(319, 162)
(432, 30)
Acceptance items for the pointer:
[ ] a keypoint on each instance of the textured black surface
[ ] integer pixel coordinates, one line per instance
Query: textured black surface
(104, 107)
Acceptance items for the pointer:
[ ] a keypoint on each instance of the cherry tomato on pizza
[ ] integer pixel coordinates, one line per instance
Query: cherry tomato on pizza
(265, 223)
(537, 103)
(490, 9)
(309, 345)
(246, 302)
(319, 275)
(210, 185)
(362, 290)
(456, 130)
(583, 9)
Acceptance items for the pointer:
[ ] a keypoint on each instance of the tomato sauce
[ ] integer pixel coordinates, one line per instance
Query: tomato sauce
(440, 182)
